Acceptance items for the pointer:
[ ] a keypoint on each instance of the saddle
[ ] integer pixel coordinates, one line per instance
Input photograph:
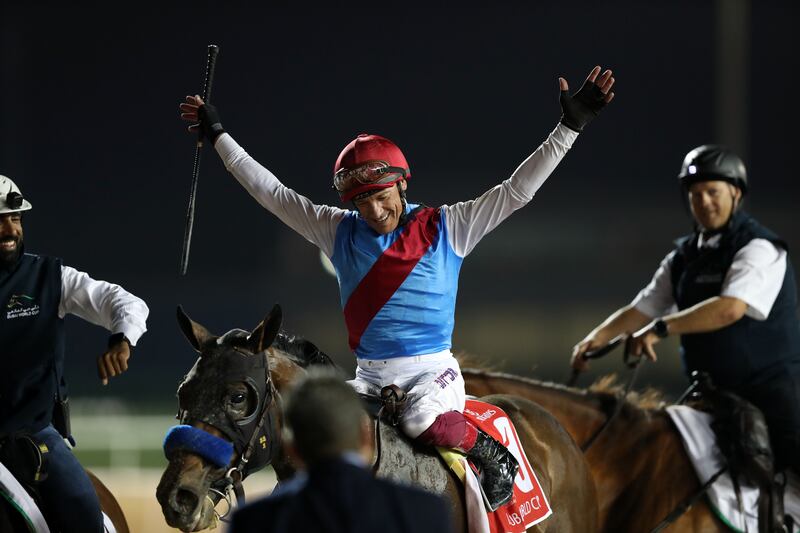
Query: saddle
(26, 458)
(23, 465)
(743, 438)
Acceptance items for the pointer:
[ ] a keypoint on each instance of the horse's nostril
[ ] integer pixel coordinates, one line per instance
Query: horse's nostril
(186, 501)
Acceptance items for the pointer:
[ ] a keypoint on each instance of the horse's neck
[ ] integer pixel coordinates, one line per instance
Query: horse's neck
(639, 448)
(580, 413)
(283, 371)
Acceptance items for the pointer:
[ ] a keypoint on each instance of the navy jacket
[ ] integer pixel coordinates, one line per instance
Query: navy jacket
(31, 343)
(748, 351)
(340, 497)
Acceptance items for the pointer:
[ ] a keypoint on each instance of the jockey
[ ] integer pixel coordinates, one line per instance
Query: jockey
(397, 264)
(36, 292)
(728, 289)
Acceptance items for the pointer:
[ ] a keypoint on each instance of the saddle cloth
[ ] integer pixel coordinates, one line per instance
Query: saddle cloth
(18, 497)
(700, 444)
(529, 505)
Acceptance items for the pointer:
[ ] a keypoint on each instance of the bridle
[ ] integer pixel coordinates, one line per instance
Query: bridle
(257, 447)
(231, 482)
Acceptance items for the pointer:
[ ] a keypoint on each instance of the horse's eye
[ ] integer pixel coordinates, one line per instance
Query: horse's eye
(238, 397)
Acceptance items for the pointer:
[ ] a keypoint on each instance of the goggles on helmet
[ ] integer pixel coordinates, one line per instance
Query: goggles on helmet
(371, 173)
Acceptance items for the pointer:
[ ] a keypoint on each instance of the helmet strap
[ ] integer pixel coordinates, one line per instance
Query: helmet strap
(403, 217)
(737, 202)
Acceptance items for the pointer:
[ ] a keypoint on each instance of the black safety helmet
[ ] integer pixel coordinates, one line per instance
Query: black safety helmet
(713, 162)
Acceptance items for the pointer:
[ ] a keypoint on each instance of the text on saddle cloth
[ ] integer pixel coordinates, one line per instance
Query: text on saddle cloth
(529, 506)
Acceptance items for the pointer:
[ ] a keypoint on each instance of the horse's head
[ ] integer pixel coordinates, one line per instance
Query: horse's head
(229, 417)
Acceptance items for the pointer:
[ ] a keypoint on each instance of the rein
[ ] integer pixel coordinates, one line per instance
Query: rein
(635, 365)
(687, 503)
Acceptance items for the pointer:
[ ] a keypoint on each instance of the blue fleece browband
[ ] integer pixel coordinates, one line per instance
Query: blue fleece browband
(204, 444)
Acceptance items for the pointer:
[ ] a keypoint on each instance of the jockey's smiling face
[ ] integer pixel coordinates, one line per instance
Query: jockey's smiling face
(382, 210)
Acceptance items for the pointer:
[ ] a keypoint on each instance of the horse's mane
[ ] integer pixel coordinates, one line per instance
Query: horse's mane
(649, 398)
(300, 350)
(468, 360)
(605, 387)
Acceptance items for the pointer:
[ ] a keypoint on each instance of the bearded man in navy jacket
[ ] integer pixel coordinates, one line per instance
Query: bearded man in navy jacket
(36, 292)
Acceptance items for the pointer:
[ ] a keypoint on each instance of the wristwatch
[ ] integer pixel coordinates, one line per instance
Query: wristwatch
(116, 338)
(660, 328)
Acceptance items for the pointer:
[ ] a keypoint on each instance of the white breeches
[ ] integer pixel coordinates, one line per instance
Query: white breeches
(434, 385)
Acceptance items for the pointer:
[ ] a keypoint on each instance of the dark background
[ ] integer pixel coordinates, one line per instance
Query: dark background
(89, 129)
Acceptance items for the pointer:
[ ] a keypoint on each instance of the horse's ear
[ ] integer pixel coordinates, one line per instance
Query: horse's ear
(196, 334)
(264, 335)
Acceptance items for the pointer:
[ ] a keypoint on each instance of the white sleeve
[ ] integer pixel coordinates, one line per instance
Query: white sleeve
(656, 299)
(756, 277)
(102, 303)
(468, 222)
(317, 223)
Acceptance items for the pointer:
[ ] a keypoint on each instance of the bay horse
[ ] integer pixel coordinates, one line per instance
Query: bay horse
(638, 462)
(233, 393)
(11, 521)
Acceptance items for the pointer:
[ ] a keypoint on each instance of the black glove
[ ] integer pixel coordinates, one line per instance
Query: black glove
(209, 122)
(580, 108)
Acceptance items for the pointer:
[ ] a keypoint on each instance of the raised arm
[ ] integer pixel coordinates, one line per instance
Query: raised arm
(317, 223)
(468, 222)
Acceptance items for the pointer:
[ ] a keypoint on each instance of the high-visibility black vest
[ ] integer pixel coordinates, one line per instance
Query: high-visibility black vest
(748, 350)
(31, 343)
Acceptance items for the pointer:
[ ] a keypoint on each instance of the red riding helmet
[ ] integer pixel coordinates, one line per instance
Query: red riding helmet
(367, 163)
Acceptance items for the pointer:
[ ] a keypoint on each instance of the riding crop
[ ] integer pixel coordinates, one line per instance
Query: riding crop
(211, 63)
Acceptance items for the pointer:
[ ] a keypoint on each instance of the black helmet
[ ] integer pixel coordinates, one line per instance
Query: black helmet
(713, 162)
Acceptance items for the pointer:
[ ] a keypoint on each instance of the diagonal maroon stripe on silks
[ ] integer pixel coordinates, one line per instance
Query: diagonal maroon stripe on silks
(389, 272)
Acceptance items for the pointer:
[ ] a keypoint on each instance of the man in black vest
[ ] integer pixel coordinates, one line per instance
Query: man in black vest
(36, 292)
(729, 291)
(329, 433)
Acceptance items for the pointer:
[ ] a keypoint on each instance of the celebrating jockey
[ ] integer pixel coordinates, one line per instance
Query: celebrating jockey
(397, 264)
(36, 292)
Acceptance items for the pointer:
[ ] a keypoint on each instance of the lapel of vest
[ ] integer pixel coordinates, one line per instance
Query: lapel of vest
(389, 272)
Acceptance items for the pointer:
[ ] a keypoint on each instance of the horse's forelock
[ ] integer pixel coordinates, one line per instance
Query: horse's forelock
(235, 337)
